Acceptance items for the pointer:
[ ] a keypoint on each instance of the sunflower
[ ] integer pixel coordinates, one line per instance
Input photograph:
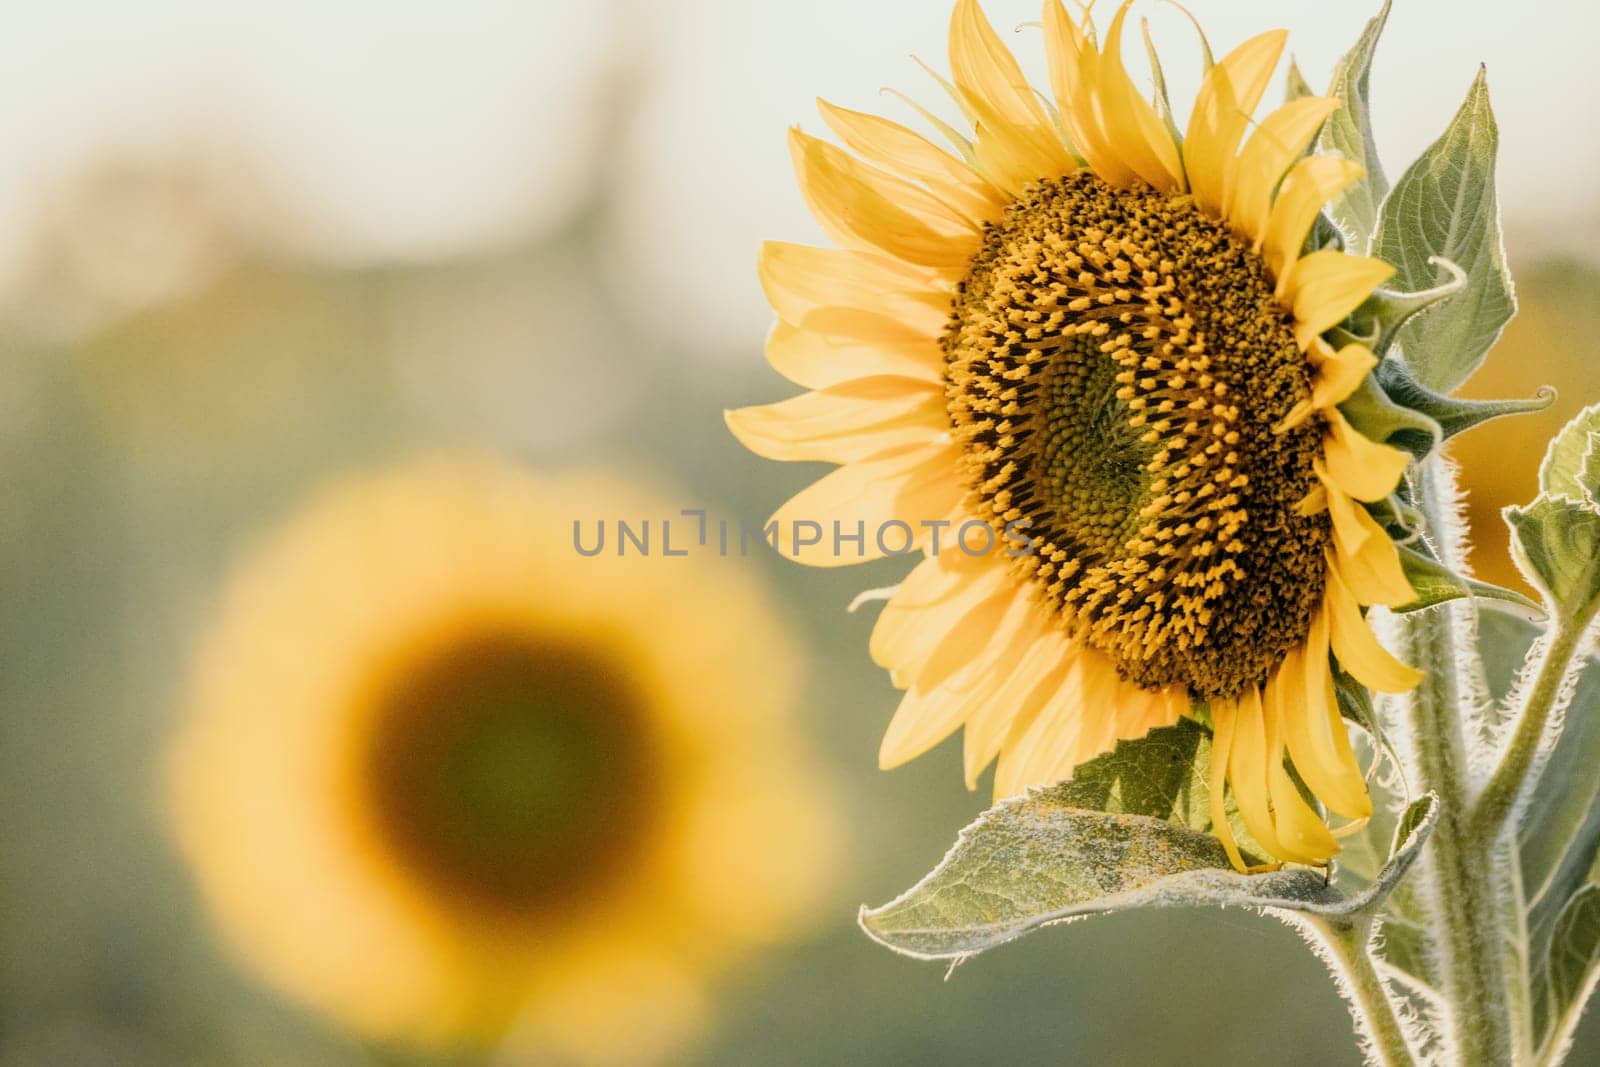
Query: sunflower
(450, 783)
(1082, 326)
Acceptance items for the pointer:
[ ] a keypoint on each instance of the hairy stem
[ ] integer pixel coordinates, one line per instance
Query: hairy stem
(1462, 879)
(1348, 954)
(1499, 798)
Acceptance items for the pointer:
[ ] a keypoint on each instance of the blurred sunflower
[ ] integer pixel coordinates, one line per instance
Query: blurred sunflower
(449, 782)
(1082, 326)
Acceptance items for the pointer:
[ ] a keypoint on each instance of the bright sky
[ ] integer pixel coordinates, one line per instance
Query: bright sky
(415, 130)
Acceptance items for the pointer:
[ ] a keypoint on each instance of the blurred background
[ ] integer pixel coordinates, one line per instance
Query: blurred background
(246, 250)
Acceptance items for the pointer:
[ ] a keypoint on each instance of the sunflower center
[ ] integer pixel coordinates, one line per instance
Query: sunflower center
(510, 773)
(1116, 362)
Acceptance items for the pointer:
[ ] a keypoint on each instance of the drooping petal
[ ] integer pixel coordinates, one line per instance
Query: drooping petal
(866, 208)
(1224, 723)
(1324, 287)
(855, 420)
(1301, 831)
(1355, 646)
(1248, 771)
(1300, 691)
(817, 361)
(912, 155)
(1309, 186)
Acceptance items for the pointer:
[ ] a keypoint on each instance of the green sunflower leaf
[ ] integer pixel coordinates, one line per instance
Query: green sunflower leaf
(1043, 859)
(1571, 466)
(1348, 131)
(1555, 542)
(1559, 831)
(1444, 209)
(1574, 958)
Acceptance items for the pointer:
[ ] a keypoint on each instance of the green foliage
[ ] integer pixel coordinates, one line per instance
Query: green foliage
(1295, 84)
(1128, 831)
(1570, 466)
(1574, 952)
(1444, 209)
(1559, 831)
(1379, 418)
(1451, 414)
(1556, 539)
(1434, 583)
(1348, 132)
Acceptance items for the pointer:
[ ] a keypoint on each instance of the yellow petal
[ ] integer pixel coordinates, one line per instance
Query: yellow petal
(817, 361)
(863, 207)
(958, 655)
(1368, 560)
(1072, 61)
(1300, 691)
(1326, 286)
(1228, 96)
(803, 283)
(855, 420)
(892, 145)
(1249, 772)
(931, 711)
(907, 487)
(1301, 832)
(1355, 646)
(1224, 721)
(1094, 718)
(1340, 374)
(1053, 734)
(1323, 706)
(1022, 140)
(1017, 749)
(922, 609)
(1309, 186)
(1361, 467)
(1277, 142)
(1026, 661)
(1132, 123)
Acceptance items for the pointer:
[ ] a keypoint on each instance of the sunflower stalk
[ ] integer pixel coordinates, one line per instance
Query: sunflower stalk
(1346, 947)
(1134, 771)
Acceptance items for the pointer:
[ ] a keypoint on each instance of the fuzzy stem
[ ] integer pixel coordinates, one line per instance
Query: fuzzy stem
(1499, 798)
(1461, 875)
(1348, 954)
